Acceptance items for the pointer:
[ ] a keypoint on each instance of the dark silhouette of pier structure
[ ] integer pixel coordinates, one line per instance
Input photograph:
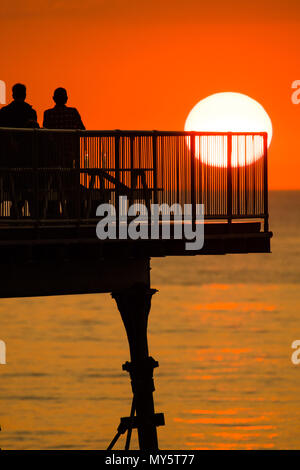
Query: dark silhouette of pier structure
(51, 183)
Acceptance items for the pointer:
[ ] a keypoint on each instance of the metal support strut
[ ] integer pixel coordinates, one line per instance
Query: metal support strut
(134, 305)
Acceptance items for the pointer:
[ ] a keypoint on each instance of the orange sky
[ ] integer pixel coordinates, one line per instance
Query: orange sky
(145, 64)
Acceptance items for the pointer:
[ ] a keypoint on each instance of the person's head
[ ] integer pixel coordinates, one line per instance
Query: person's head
(19, 92)
(60, 96)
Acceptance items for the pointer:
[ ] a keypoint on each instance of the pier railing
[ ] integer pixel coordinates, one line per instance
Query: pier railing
(48, 176)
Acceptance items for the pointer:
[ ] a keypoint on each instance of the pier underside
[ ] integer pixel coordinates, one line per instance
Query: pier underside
(62, 260)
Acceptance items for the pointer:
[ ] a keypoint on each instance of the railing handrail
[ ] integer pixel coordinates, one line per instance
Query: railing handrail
(138, 133)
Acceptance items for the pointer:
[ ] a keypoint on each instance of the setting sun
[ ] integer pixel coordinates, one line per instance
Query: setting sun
(229, 112)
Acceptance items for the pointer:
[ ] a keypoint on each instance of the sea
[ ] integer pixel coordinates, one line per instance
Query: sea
(221, 327)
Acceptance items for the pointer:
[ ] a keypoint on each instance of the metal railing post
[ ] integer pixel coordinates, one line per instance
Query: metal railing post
(131, 158)
(36, 178)
(193, 199)
(77, 176)
(266, 203)
(154, 145)
(229, 177)
(117, 177)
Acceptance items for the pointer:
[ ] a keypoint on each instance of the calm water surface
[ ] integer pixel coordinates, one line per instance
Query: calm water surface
(221, 328)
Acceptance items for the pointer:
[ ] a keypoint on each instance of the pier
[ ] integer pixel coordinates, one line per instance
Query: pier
(51, 183)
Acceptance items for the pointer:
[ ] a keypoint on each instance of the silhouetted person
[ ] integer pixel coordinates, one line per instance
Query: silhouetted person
(18, 113)
(64, 154)
(62, 116)
(16, 149)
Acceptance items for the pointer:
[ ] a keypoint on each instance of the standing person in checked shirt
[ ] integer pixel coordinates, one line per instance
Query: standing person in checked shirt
(63, 152)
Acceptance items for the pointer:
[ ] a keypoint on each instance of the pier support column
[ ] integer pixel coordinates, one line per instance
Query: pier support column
(134, 305)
